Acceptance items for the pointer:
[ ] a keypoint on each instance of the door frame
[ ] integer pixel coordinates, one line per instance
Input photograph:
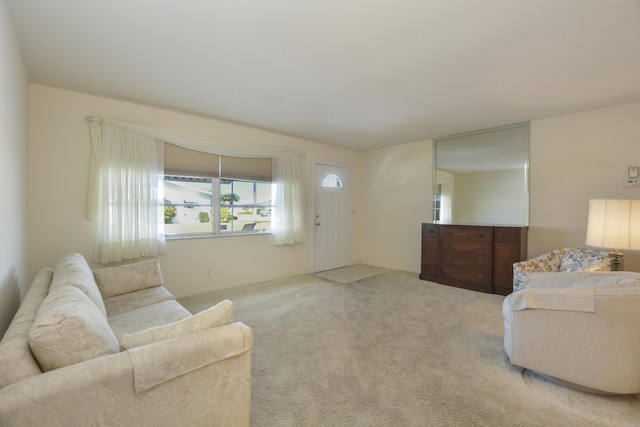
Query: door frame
(347, 207)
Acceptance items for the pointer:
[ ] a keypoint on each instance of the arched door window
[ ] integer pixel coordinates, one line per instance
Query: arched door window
(332, 181)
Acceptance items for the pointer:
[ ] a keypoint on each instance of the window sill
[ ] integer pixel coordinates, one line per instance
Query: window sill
(215, 236)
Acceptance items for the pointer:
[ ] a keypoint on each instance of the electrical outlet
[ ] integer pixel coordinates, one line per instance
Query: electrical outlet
(632, 183)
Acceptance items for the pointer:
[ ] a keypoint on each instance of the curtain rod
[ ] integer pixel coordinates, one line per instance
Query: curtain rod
(92, 119)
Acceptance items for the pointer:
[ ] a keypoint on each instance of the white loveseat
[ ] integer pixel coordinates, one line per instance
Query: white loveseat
(114, 347)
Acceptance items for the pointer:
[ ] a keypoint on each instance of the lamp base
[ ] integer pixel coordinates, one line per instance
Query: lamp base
(617, 264)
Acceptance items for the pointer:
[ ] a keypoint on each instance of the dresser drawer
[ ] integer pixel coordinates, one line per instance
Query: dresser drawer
(507, 235)
(430, 230)
(464, 260)
(469, 246)
(477, 234)
(481, 276)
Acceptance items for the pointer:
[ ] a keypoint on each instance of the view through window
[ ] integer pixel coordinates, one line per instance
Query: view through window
(215, 206)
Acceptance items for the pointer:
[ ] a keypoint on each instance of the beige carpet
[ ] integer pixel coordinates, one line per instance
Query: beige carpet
(392, 350)
(350, 274)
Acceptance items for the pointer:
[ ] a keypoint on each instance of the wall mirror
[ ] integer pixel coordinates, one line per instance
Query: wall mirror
(482, 177)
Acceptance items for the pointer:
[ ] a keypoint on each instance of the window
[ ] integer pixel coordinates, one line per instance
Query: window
(332, 181)
(207, 194)
(202, 206)
(437, 198)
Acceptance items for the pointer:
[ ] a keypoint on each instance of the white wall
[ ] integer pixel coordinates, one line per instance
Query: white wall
(13, 172)
(397, 197)
(59, 158)
(574, 158)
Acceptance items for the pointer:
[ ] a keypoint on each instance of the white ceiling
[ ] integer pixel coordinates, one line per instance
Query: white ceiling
(357, 74)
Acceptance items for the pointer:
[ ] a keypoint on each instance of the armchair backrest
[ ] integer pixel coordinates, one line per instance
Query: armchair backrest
(575, 259)
(561, 260)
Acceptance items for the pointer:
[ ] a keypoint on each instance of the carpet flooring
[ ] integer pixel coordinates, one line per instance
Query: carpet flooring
(392, 350)
(350, 274)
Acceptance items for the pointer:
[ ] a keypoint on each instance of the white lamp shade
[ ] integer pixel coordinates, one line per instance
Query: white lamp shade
(614, 223)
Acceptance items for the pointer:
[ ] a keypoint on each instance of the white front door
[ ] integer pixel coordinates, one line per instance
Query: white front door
(331, 188)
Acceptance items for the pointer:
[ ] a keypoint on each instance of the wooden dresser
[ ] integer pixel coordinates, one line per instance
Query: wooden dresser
(476, 257)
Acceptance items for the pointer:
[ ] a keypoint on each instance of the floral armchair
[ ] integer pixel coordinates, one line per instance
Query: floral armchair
(559, 260)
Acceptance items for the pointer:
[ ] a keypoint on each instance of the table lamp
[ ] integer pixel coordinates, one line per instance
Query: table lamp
(614, 224)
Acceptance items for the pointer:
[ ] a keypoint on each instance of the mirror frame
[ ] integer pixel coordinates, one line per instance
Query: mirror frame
(524, 167)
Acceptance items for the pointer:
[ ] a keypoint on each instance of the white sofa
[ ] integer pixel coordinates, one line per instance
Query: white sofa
(578, 328)
(114, 347)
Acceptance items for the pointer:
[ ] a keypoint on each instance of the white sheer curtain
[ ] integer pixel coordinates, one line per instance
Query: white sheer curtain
(125, 193)
(288, 173)
(288, 218)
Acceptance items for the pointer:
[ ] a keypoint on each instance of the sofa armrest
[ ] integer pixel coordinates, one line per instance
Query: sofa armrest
(545, 262)
(157, 363)
(554, 279)
(573, 278)
(563, 298)
(102, 391)
(519, 279)
(549, 262)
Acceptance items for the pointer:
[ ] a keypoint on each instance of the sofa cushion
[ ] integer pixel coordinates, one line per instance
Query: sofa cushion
(144, 318)
(73, 270)
(123, 279)
(138, 299)
(218, 315)
(69, 329)
(16, 359)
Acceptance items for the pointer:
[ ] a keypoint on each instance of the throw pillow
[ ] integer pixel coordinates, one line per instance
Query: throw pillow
(73, 270)
(123, 279)
(218, 315)
(69, 329)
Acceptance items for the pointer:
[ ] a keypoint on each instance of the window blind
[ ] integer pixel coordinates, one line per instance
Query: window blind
(183, 161)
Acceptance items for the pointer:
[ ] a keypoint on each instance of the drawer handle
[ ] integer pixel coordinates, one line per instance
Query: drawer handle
(448, 233)
(480, 234)
(431, 231)
(480, 277)
(481, 248)
(480, 262)
(447, 272)
(506, 235)
(505, 264)
(448, 257)
(448, 245)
